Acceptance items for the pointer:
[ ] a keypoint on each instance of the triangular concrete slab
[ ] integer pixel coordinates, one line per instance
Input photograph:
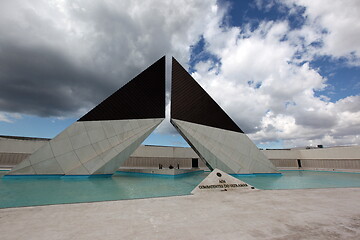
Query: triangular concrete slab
(232, 152)
(212, 134)
(219, 181)
(123, 151)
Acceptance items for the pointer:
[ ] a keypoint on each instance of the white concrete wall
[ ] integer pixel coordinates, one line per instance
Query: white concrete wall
(337, 164)
(282, 154)
(12, 151)
(324, 158)
(284, 163)
(335, 158)
(352, 152)
(8, 145)
(152, 156)
(153, 162)
(166, 152)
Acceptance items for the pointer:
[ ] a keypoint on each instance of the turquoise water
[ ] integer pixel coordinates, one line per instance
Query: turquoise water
(32, 191)
(43, 191)
(303, 179)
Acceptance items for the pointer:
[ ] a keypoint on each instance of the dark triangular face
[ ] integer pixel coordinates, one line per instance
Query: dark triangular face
(190, 102)
(143, 97)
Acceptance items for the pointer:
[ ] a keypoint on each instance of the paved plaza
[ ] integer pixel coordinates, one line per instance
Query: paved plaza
(265, 214)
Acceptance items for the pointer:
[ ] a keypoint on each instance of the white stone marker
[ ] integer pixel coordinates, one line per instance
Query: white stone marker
(219, 181)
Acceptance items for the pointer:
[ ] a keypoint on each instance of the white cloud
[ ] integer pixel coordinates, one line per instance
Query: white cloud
(265, 82)
(263, 79)
(83, 50)
(337, 23)
(9, 117)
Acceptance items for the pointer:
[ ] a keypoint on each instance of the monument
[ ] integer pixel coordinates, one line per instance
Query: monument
(212, 134)
(104, 138)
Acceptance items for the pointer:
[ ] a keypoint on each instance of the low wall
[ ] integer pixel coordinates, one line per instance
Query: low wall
(333, 159)
(15, 149)
(331, 163)
(153, 162)
(10, 144)
(172, 172)
(11, 159)
(284, 163)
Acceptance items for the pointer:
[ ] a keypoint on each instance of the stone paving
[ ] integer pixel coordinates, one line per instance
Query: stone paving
(264, 214)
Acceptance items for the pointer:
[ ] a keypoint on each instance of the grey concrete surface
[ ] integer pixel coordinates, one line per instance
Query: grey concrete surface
(88, 148)
(219, 181)
(229, 151)
(269, 214)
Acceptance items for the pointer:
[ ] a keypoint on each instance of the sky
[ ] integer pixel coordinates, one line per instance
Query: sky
(287, 72)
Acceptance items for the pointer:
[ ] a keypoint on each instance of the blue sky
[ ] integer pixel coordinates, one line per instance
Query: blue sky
(287, 72)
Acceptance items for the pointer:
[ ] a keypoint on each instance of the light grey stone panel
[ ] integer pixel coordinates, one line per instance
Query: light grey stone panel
(25, 163)
(50, 166)
(75, 129)
(94, 164)
(128, 134)
(259, 160)
(134, 124)
(101, 146)
(229, 151)
(68, 161)
(43, 153)
(114, 141)
(80, 140)
(108, 161)
(96, 135)
(121, 136)
(116, 161)
(127, 141)
(85, 153)
(24, 171)
(214, 134)
(221, 138)
(91, 125)
(109, 129)
(126, 126)
(60, 147)
(111, 166)
(109, 155)
(80, 170)
(95, 131)
(122, 152)
(118, 126)
(61, 135)
(204, 152)
(231, 163)
(144, 122)
(120, 147)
